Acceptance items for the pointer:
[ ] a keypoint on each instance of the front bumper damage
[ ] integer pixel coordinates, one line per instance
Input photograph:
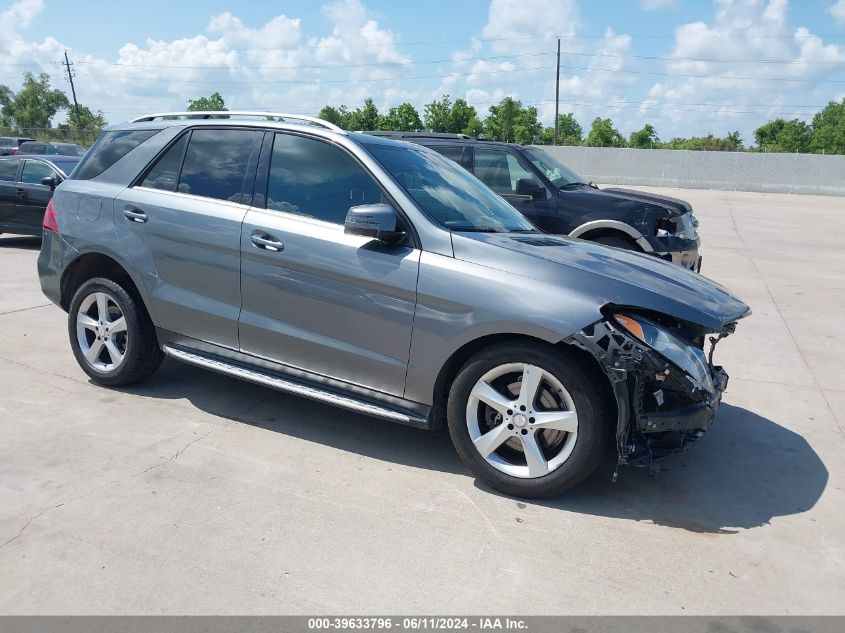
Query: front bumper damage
(661, 409)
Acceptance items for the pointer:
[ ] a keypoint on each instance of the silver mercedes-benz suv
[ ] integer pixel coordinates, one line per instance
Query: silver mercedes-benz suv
(376, 275)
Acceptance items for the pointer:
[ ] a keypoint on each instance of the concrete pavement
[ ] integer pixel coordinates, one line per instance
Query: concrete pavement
(193, 493)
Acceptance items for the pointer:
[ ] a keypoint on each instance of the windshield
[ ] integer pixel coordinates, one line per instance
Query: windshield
(559, 174)
(448, 193)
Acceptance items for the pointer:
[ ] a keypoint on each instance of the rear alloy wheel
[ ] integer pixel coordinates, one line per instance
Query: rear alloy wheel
(527, 420)
(112, 338)
(101, 332)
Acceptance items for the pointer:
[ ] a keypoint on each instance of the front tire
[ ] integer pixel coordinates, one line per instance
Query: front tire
(111, 334)
(528, 419)
(617, 241)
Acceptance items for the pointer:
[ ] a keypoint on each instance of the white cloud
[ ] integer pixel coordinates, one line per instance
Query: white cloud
(837, 10)
(273, 65)
(529, 25)
(722, 61)
(654, 5)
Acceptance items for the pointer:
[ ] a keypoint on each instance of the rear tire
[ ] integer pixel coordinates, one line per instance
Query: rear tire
(111, 334)
(526, 445)
(617, 241)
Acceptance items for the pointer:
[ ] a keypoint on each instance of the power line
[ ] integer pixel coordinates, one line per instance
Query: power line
(322, 66)
(469, 74)
(469, 59)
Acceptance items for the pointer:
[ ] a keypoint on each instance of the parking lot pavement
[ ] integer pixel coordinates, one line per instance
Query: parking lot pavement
(193, 493)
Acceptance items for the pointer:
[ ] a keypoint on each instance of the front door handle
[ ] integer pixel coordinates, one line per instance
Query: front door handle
(135, 215)
(267, 242)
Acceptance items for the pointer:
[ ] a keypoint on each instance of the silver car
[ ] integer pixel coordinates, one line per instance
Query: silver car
(378, 276)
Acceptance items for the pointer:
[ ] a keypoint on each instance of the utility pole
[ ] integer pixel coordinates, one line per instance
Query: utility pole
(72, 90)
(557, 91)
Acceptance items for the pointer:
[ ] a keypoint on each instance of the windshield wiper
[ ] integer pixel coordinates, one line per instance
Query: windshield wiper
(572, 185)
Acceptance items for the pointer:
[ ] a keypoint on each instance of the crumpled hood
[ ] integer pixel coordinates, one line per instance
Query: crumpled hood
(674, 205)
(611, 275)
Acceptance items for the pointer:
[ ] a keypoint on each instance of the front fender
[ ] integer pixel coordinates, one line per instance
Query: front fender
(459, 302)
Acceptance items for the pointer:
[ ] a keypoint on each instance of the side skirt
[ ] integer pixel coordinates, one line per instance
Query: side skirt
(298, 386)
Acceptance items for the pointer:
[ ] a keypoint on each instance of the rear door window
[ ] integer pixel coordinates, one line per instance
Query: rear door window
(110, 148)
(9, 169)
(452, 152)
(216, 163)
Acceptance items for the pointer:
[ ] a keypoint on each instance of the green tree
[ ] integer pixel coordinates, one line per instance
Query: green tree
(34, 105)
(646, 138)
(436, 115)
(569, 131)
(6, 98)
(338, 116)
(710, 143)
(828, 133)
(442, 115)
(463, 119)
(401, 118)
(509, 121)
(365, 118)
(214, 103)
(733, 141)
(502, 119)
(780, 135)
(603, 134)
(84, 119)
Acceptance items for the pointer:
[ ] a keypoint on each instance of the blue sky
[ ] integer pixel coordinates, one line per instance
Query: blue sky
(688, 67)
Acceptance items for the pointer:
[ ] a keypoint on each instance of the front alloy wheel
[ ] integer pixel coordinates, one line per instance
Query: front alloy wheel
(531, 420)
(522, 420)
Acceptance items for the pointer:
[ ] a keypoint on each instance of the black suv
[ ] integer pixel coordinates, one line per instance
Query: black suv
(555, 199)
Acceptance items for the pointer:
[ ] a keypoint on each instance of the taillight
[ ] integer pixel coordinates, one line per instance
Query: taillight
(50, 222)
(14, 151)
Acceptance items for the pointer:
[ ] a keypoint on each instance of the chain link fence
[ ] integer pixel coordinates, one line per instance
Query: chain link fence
(61, 135)
(729, 171)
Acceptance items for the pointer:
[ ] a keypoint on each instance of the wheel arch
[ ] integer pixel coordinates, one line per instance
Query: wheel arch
(96, 264)
(459, 357)
(597, 228)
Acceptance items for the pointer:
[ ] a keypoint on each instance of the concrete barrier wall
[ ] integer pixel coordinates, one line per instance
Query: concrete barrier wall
(730, 171)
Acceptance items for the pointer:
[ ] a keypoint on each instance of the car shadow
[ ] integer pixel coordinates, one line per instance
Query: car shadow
(20, 241)
(746, 471)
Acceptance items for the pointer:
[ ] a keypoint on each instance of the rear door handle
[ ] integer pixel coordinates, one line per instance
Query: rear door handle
(134, 215)
(267, 242)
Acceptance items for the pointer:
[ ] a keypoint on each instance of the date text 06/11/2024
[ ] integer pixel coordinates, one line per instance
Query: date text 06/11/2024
(416, 623)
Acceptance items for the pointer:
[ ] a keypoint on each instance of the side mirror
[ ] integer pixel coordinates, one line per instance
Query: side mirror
(373, 220)
(50, 181)
(530, 187)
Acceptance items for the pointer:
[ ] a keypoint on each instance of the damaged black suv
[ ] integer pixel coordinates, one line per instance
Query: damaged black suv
(557, 200)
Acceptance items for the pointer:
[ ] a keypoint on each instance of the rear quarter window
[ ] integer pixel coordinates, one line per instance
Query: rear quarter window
(110, 148)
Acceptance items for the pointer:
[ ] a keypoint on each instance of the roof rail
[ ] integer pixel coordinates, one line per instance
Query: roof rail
(207, 114)
(442, 135)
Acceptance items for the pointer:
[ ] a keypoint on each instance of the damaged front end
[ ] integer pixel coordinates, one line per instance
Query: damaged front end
(666, 389)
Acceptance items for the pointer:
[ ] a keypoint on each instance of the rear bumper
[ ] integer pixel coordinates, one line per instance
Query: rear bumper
(55, 251)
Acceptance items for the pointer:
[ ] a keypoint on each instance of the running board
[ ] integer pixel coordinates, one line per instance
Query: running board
(295, 388)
